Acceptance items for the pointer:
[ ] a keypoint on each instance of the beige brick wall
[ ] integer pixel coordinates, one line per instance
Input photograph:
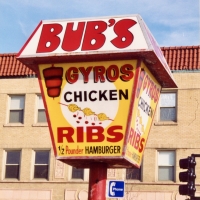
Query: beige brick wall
(183, 137)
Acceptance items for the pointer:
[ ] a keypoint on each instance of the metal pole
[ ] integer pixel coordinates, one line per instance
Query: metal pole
(195, 198)
(97, 181)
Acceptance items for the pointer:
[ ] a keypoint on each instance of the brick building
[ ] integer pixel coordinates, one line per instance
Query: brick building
(29, 170)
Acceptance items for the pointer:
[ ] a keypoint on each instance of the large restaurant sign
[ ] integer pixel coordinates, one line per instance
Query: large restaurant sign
(100, 80)
(85, 35)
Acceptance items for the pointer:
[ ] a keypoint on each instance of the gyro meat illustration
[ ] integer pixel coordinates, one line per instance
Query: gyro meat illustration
(53, 80)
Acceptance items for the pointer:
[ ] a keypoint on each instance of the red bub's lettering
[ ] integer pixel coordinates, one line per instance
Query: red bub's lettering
(94, 38)
(87, 36)
(49, 40)
(124, 36)
(72, 38)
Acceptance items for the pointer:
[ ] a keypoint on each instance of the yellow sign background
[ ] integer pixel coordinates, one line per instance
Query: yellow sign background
(56, 118)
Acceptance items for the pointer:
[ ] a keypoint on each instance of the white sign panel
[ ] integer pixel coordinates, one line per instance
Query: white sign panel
(85, 35)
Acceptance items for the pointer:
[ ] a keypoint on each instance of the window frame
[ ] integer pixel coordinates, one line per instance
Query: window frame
(78, 171)
(140, 170)
(174, 165)
(34, 164)
(13, 164)
(85, 175)
(17, 109)
(175, 107)
(39, 96)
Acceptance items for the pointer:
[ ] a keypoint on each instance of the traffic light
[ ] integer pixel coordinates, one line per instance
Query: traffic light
(187, 176)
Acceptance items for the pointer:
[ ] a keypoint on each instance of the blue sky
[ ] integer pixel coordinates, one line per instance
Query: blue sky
(172, 22)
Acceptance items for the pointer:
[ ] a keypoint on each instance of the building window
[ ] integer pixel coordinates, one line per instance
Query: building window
(77, 173)
(133, 174)
(41, 165)
(12, 164)
(168, 106)
(41, 111)
(166, 162)
(16, 109)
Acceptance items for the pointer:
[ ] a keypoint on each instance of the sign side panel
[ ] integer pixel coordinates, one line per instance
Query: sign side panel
(131, 110)
(146, 99)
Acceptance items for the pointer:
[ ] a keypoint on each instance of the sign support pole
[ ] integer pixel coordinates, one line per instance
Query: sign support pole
(97, 181)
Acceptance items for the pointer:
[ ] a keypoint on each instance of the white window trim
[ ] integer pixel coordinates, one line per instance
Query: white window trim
(33, 165)
(161, 123)
(36, 123)
(4, 165)
(157, 166)
(7, 123)
(165, 92)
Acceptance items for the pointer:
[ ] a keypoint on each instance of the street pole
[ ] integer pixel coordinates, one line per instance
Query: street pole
(97, 181)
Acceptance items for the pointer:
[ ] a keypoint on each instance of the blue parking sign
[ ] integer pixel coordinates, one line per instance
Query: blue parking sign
(115, 189)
